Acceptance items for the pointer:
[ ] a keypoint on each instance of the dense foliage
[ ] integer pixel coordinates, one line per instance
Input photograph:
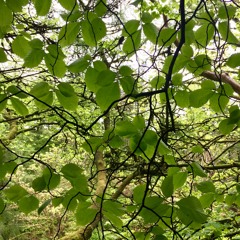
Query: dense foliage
(119, 119)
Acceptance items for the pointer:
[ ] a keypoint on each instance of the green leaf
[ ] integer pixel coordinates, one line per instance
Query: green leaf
(66, 89)
(40, 89)
(187, 51)
(226, 12)
(52, 179)
(151, 32)
(191, 207)
(208, 84)
(204, 34)
(167, 186)
(16, 6)
(68, 4)
(42, 7)
(55, 52)
(68, 33)
(15, 193)
(207, 199)
(99, 65)
(44, 205)
(218, 102)
(106, 77)
(225, 127)
(199, 97)
(234, 115)
(33, 58)
(234, 60)
(197, 149)
(138, 193)
(16, 91)
(182, 98)
(93, 31)
(73, 16)
(6, 15)
(115, 220)
(92, 144)
(45, 101)
(132, 43)
(69, 103)
(139, 122)
(91, 79)
(125, 128)
(70, 200)
(158, 82)
(100, 8)
(19, 106)
(147, 17)
(226, 33)
(179, 179)
(28, 204)
(71, 170)
(116, 142)
(21, 47)
(166, 37)
(197, 170)
(137, 144)
(2, 206)
(3, 57)
(163, 148)
(3, 101)
(206, 186)
(79, 65)
(85, 214)
(125, 71)
(128, 85)
(36, 44)
(105, 96)
(200, 63)
(113, 207)
(150, 137)
(39, 184)
(177, 79)
(56, 66)
(130, 27)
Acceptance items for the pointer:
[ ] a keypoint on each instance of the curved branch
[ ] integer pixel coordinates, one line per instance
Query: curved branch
(223, 77)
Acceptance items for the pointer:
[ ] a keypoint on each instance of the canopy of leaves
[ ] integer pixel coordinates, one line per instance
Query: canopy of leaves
(121, 117)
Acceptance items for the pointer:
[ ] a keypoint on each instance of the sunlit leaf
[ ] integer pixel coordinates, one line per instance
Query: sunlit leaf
(101, 8)
(28, 204)
(3, 57)
(192, 208)
(33, 58)
(130, 27)
(3, 101)
(69, 103)
(21, 46)
(167, 186)
(234, 60)
(206, 186)
(105, 96)
(6, 15)
(44, 205)
(68, 4)
(42, 7)
(85, 214)
(93, 31)
(68, 33)
(132, 42)
(15, 193)
(71, 170)
(19, 106)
